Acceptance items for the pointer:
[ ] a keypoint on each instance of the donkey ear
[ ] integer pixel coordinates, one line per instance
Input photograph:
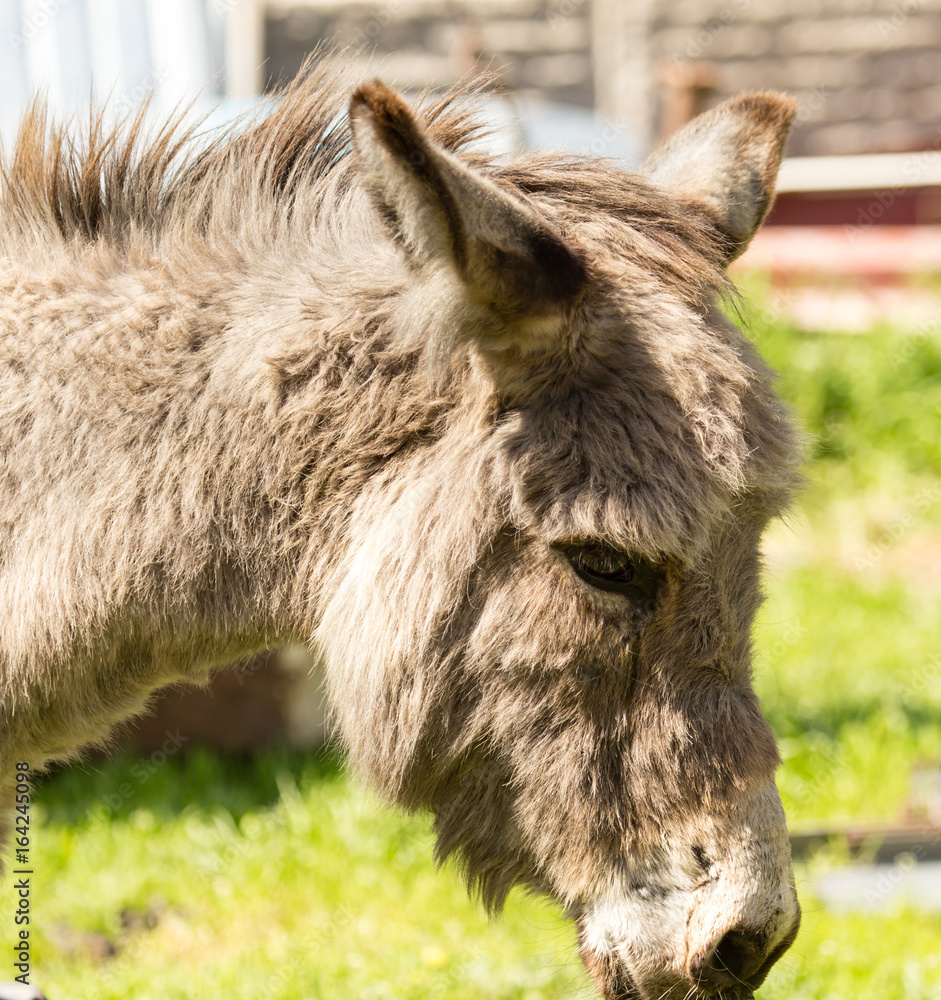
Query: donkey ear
(443, 212)
(726, 162)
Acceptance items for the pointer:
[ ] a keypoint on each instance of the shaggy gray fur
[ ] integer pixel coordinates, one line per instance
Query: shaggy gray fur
(277, 392)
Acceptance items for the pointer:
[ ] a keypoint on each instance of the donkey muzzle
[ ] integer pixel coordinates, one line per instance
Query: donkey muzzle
(734, 963)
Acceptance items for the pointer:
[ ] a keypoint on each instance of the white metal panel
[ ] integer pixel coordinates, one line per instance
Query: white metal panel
(139, 68)
(106, 57)
(42, 56)
(118, 50)
(14, 82)
(179, 48)
(69, 31)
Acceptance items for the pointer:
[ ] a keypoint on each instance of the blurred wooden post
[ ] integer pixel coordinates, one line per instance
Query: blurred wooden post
(244, 47)
(621, 53)
(684, 87)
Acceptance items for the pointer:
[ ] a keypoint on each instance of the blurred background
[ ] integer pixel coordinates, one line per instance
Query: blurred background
(224, 848)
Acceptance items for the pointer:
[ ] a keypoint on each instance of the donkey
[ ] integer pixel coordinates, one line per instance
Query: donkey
(476, 431)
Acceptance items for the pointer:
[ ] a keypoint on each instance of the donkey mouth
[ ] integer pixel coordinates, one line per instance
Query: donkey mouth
(611, 979)
(614, 982)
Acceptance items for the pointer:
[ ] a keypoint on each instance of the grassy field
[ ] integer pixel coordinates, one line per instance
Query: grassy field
(278, 877)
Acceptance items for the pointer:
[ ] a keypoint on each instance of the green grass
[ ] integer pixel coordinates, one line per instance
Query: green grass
(845, 676)
(274, 876)
(848, 645)
(279, 877)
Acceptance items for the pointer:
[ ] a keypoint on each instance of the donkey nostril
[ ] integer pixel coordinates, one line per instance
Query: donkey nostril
(737, 956)
(741, 959)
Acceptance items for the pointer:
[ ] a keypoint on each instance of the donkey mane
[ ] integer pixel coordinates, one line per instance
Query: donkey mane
(281, 172)
(115, 176)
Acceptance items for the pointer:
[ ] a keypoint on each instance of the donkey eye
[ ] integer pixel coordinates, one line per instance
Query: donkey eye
(608, 568)
(599, 563)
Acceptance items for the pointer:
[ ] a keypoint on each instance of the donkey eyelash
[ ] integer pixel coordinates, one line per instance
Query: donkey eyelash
(607, 568)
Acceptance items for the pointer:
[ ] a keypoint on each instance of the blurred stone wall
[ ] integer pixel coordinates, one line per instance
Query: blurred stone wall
(866, 73)
(539, 47)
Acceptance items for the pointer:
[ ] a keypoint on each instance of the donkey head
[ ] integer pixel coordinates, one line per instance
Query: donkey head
(540, 628)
